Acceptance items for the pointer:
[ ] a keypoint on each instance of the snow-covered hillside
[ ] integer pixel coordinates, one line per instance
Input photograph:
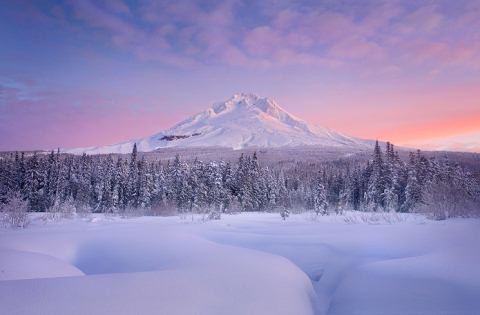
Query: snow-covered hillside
(243, 121)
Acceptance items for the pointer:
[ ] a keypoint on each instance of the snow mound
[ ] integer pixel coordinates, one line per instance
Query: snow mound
(16, 265)
(138, 268)
(244, 120)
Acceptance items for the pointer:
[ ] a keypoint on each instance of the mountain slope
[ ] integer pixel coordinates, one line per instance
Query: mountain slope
(243, 121)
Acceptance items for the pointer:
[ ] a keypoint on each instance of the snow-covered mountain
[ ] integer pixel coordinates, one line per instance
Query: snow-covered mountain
(243, 121)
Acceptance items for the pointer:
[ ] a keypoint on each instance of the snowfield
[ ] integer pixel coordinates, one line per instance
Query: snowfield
(250, 263)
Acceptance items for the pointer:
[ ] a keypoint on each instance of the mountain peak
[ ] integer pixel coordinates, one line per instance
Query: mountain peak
(248, 101)
(247, 97)
(244, 120)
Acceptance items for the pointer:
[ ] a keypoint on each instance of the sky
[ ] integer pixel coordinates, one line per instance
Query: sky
(83, 73)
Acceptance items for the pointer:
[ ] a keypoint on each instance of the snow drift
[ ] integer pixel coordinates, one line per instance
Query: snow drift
(143, 269)
(251, 263)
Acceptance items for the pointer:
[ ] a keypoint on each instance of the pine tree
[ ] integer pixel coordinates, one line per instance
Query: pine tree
(34, 185)
(282, 199)
(272, 189)
(356, 189)
(413, 193)
(106, 201)
(215, 187)
(244, 178)
(160, 191)
(145, 185)
(229, 185)
(256, 181)
(51, 180)
(320, 203)
(81, 180)
(376, 186)
(20, 172)
(132, 181)
(178, 182)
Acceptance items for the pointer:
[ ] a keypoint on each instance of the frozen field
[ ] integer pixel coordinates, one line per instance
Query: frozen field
(250, 263)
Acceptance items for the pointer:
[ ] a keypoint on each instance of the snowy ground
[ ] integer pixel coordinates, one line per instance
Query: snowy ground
(243, 264)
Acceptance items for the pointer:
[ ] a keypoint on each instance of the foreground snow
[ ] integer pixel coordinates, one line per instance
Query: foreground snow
(244, 264)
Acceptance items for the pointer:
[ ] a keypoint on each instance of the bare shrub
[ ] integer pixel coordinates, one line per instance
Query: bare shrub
(284, 213)
(83, 210)
(443, 200)
(164, 208)
(208, 214)
(373, 218)
(131, 212)
(15, 212)
(66, 210)
(214, 214)
(234, 206)
(61, 210)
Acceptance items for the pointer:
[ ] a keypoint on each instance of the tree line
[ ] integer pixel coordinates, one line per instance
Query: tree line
(116, 184)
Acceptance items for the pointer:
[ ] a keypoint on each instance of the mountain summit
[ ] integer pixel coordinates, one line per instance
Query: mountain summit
(243, 121)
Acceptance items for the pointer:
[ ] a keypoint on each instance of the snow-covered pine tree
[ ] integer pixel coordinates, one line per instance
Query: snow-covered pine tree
(215, 186)
(198, 196)
(20, 172)
(257, 183)
(376, 185)
(356, 189)
(34, 185)
(320, 204)
(282, 199)
(272, 189)
(81, 177)
(413, 192)
(229, 186)
(159, 194)
(51, 180)
(145, 185)
(117, 185)
(107, 183)
(244, 181)
(178, 180)
(132, 181)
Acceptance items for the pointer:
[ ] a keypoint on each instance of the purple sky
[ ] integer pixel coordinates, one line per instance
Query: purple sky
(79, 73)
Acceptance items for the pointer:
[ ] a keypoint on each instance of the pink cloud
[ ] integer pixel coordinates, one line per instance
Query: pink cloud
(122, 32)
(357, 48)
(188, 34)
(117, 6)
(423, 20)
(262, 40)
(447, 54)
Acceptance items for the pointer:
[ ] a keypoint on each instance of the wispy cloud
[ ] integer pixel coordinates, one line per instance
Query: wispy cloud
(186, 33)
